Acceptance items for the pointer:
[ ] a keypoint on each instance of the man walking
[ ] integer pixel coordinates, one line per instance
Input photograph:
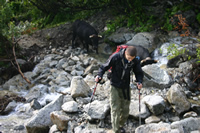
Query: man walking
(121, 63)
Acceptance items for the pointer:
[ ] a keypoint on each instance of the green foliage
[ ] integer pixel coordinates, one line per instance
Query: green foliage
(198, 54)
(6, 15)
(168, 25)
(145, 25)
(174, 51)
(16, 30)
(198, 17)
(112, 26)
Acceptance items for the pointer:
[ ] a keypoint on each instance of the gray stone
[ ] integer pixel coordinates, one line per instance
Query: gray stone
(178, 99)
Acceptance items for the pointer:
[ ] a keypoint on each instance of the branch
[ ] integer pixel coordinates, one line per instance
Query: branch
(19, 70)
(193, 4)
(6, 60)
(196, 78)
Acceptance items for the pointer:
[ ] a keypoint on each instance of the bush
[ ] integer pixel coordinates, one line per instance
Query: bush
(198, 17)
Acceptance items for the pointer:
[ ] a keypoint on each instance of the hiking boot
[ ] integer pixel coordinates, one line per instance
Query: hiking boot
(122, 130)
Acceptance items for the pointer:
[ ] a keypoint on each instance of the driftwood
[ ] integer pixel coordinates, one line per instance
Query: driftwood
(18, 67)
(6, 99)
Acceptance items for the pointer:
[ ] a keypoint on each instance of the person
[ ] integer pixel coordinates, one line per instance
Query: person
(121, 63)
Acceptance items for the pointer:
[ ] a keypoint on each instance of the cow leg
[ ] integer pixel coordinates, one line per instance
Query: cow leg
(73, 39)
(85, 45)
(97, 51)
(82, 43)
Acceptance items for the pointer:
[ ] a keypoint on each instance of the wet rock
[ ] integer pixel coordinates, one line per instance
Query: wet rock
(41, 121)
(36, 92)
(20, 127)
(35, 105)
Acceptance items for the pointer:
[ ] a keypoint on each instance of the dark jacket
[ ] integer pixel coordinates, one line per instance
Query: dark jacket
(117, 78)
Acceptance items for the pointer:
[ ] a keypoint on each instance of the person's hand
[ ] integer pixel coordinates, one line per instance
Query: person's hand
(139, 85)
(97, 79)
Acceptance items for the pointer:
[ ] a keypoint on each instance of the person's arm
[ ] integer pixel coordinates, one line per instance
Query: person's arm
(139, 74)
(103, 68)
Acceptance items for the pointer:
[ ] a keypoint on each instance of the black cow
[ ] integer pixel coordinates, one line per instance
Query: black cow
(86, 33)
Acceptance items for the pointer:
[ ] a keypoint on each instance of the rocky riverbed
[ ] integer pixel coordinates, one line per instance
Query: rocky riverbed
(57, 100)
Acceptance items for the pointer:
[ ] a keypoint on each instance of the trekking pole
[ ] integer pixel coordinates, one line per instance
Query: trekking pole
(92, 96)
(139, 107)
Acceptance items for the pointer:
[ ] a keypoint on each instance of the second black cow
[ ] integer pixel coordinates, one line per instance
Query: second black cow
(87, 35)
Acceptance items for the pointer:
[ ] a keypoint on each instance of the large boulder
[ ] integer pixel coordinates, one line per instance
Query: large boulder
(154, 76)
(146, 40)
(97, 109)
(187, 125)
(156, 104)
(41, 121)
(177, 98)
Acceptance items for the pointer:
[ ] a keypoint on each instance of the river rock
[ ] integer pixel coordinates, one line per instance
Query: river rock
(152, 119)
(35, 105)
(17, 83)
(60, 119)
(154, 128)
(79, 88)
(36, 92)
(70, 107)
(187, 125)
(134, 110)
(97, 109)
(155, 104)
(190, 114)
(178, 99)
(154, 76)
(90, 68)
(146, 39)
(41, 121)
(89, 129)
(120, 38)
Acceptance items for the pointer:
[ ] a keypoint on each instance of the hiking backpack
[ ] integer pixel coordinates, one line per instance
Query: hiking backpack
(119, 48)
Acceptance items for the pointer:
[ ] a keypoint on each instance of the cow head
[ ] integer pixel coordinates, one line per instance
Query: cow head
(95, 41)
